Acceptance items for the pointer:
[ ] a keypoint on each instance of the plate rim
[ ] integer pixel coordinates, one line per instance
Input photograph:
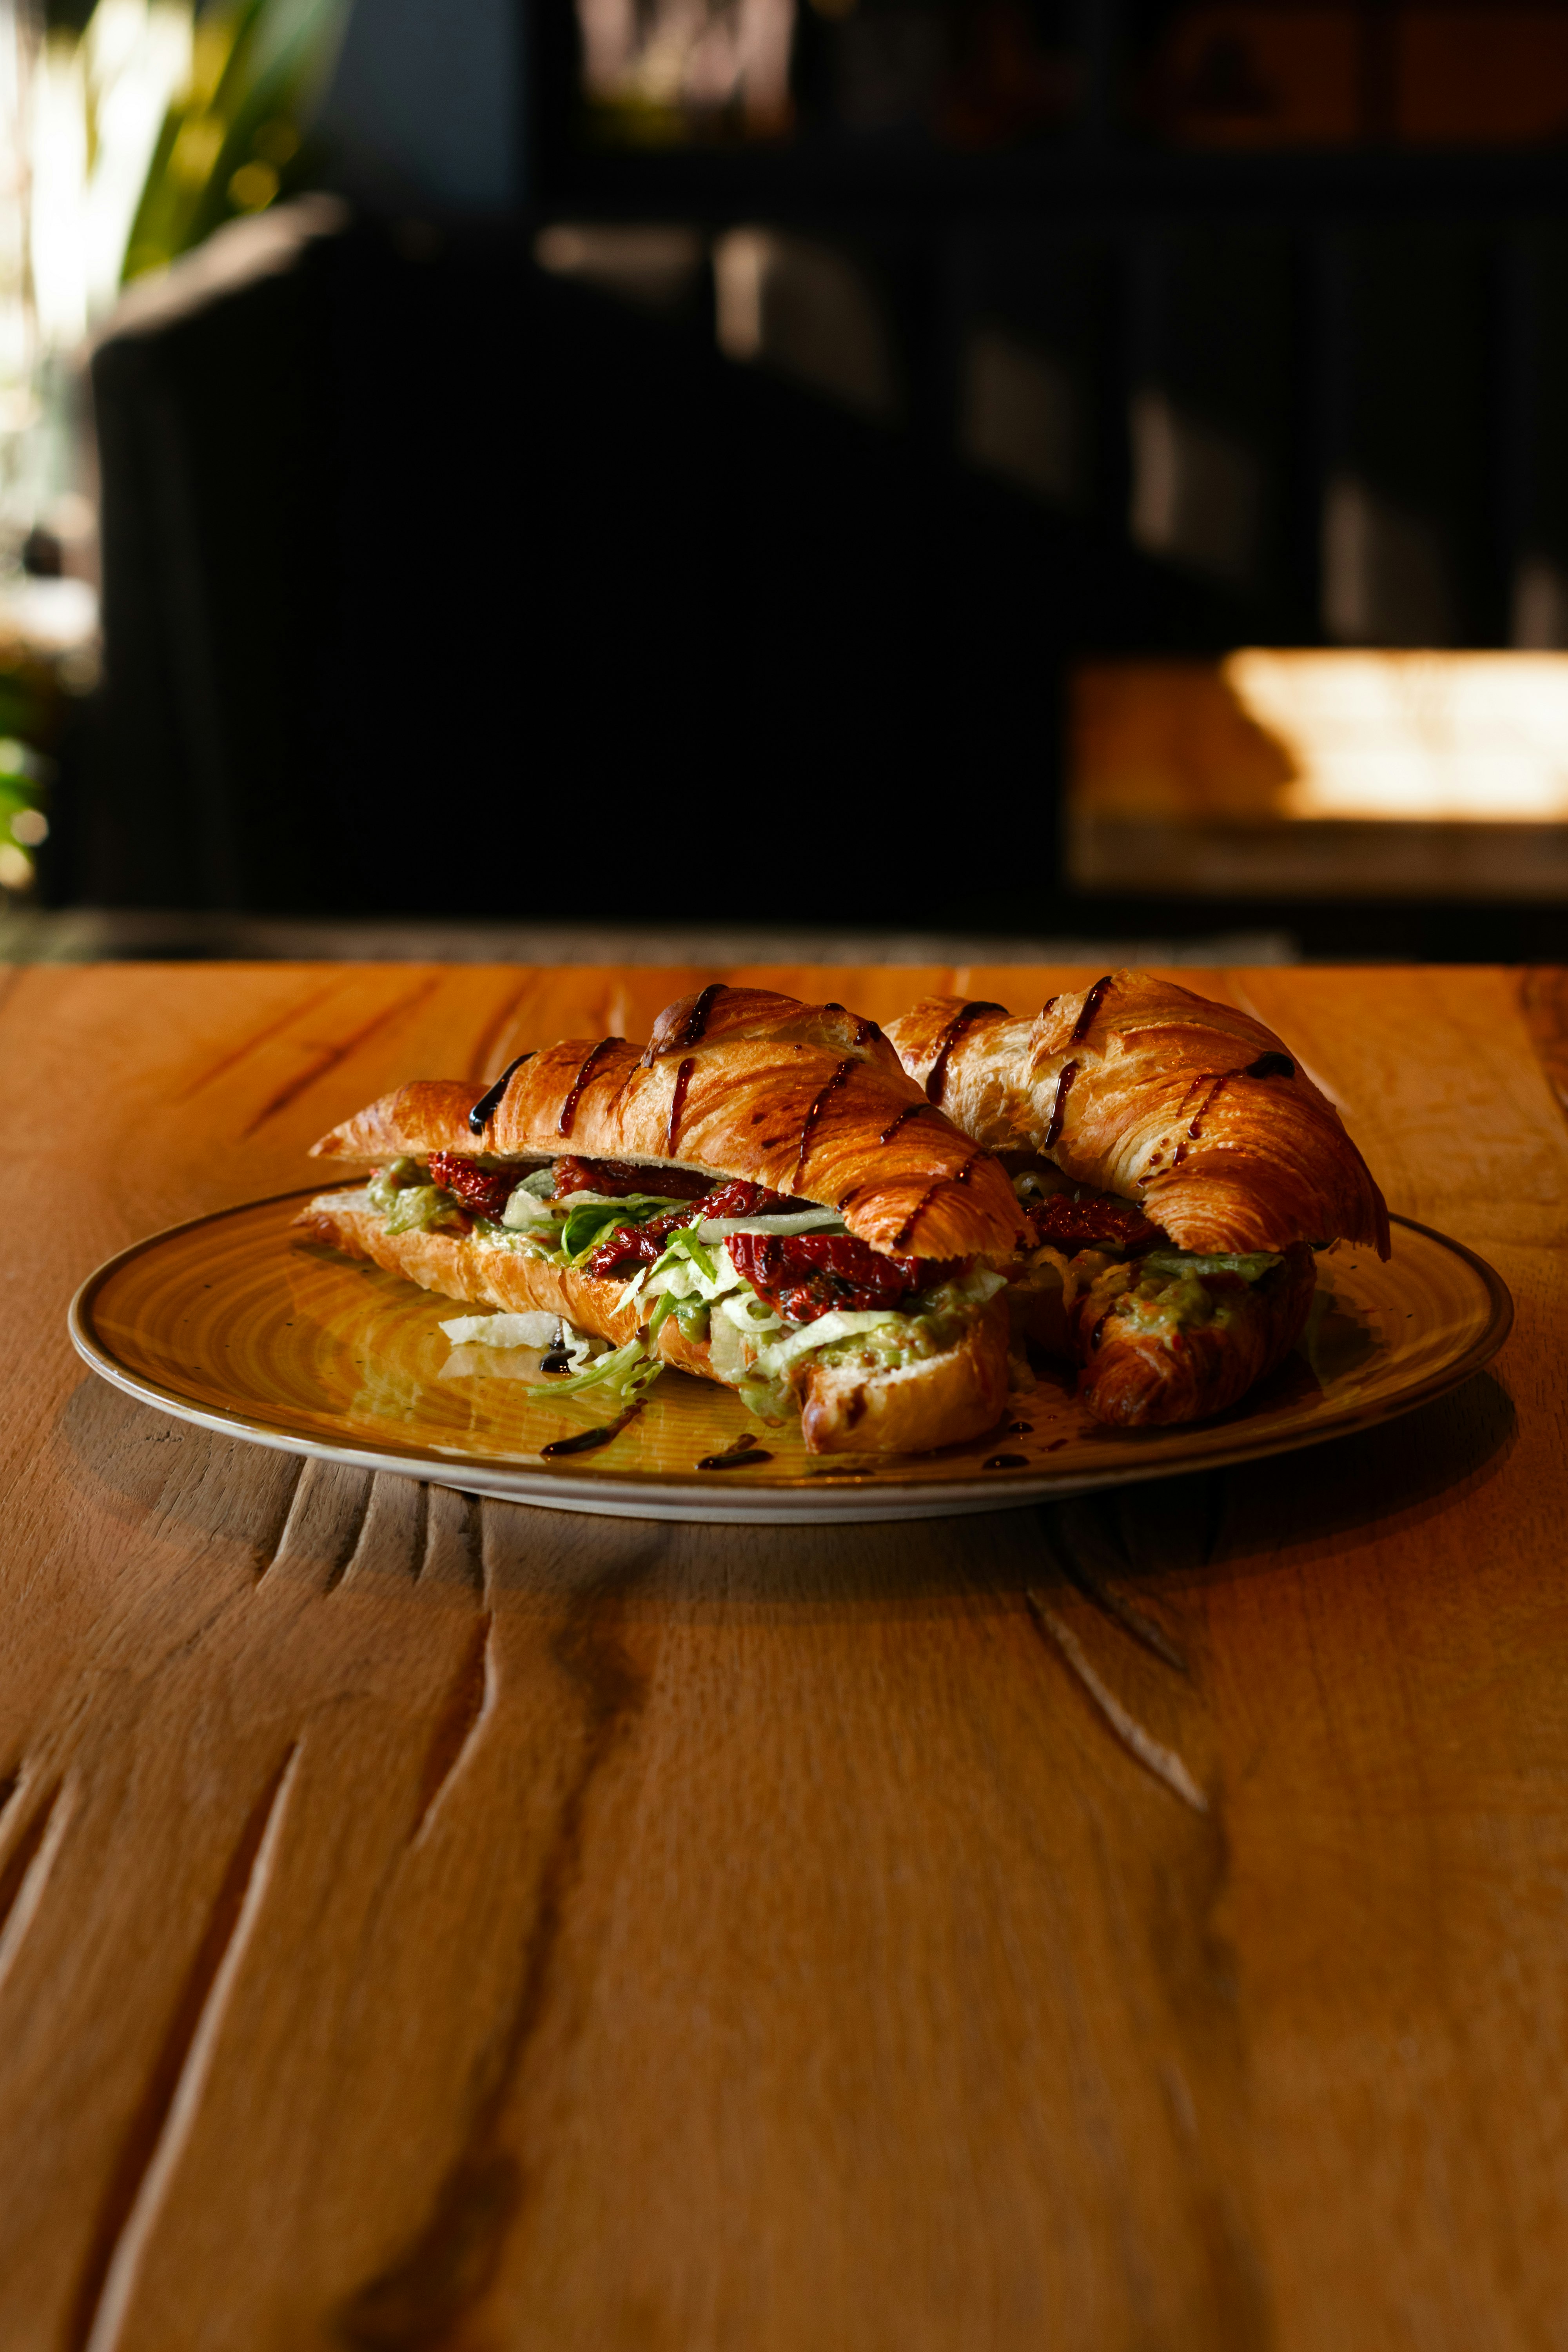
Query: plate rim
(669, 1494)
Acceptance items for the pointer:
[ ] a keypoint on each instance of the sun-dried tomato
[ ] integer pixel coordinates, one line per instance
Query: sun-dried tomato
(1091, 1221)
(615, 1178)
(630, 1246)
(803, 1275)
(736, 1198)
(485, 1190)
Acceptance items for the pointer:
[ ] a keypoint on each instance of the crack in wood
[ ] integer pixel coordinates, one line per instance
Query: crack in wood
(462, 1717)
(331, 1057)
(1112, 1604)
(419, 1550)
(348, 1550)
(472, 1533)
(1164, 1762)
(257, 1038)
(161, 2125)
(25, 1873)
(280, 1542)
(420, 2299)
(479, 1060)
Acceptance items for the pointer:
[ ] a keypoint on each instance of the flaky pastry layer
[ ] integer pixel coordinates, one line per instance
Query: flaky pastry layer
(806, 1100)
(1142, 1088)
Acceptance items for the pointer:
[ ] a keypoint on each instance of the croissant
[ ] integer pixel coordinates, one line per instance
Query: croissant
(1138, 1087)
(743, 1109)
(1178, 1121)
(1139, 1374)
(803, 1099)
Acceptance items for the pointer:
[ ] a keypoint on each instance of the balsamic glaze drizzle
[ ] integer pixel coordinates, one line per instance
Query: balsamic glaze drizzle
(697, 1019)
(1195, 1128)
(864, 1030)
(585, 1440)
(921, 1205)
(1091, 1003)
(730, 1460)
(693, 1029)
(812, 1114)
(488, 1102)
(1270, 1066)
(677, 1105)
(909, 1110)
(966, 1016)
(583, 1078)
(1058, 1109)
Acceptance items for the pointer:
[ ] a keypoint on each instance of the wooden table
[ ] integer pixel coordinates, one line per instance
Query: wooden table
(1142, 1923)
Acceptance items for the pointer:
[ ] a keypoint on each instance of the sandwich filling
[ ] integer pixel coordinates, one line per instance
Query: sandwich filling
(770, 1282)
(1108, 1255)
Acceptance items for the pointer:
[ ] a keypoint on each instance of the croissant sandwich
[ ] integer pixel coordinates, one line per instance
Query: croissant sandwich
(1177, 1169)
(760, 1196)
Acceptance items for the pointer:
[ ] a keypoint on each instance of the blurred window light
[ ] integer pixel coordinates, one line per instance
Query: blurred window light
(807, 310)
(15, 868)
(657, 72)
(1385, 570)
(98, 108)
(1309, 773)
(1197, 492)
(655, 267)
(1413, 735)
(1020, 415)
(1539, 605)
(30, 826)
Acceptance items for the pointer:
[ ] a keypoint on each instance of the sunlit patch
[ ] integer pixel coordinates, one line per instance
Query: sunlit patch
(1412, 735)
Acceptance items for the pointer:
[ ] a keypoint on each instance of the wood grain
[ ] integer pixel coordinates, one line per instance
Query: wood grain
(422, 1923)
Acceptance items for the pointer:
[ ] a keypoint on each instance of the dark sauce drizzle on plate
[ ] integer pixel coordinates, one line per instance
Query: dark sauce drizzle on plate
(585, 1440)
(489, 1102)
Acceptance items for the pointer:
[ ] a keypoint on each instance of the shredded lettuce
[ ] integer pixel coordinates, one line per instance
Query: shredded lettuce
(626, 1371)
(409, 1205)
(532, 1329)
(1252, 1267)
(780, 1354)
(808, 1221)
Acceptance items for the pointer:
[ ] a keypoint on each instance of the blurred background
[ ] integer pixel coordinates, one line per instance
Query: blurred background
(1022, 470)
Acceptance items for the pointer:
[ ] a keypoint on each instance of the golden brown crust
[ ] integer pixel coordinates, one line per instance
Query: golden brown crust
(947, 1399)
(804, 1100)
(1136, 1379)
(511, 1280)
(1138, 1087)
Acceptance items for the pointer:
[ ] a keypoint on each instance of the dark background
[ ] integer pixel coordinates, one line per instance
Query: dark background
(438, 582)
